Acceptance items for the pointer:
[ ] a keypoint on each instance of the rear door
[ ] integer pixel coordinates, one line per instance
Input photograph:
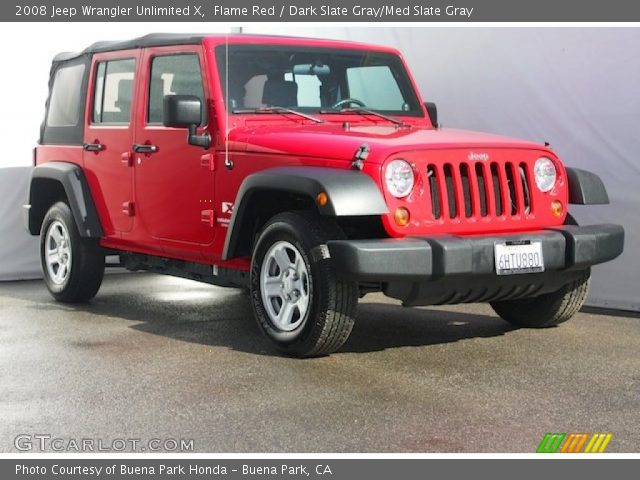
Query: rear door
(174, 180)
(109, 135)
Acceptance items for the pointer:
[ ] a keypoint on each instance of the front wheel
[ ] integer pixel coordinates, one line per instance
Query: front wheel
(301, 304)
(546, 310)
(73, 266)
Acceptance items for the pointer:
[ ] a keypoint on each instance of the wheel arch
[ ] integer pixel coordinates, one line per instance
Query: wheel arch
(266, 193)
(586, 188)
(56, 181)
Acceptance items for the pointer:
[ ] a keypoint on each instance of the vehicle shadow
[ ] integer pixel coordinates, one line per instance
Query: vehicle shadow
(380, 326)
(230, 323)
(217, 317)
(610, 311)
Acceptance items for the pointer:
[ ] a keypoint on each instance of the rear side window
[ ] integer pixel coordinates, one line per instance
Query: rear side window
(113, 92)
(173, 75)
(65, 99)
(64, 118)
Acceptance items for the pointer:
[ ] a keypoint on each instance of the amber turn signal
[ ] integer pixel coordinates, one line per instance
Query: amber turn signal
(322, 199)
(556, 208)
(401, 216)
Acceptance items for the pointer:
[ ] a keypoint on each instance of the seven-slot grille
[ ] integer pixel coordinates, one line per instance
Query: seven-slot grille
(479, 189)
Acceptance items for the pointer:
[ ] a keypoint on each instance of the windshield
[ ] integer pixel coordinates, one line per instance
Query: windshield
(314, 80)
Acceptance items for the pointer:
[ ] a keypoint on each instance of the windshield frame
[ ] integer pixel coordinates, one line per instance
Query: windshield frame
(395, 61)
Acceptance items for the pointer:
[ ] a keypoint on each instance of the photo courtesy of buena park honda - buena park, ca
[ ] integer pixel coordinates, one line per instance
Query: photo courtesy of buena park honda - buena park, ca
(319, 239)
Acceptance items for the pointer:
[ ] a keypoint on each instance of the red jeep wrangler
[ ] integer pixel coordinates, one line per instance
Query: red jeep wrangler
(307, 171)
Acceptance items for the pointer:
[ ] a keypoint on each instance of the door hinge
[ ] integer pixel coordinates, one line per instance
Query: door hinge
(128, 208)
(208, 161)
(208, 217)
(127, 159)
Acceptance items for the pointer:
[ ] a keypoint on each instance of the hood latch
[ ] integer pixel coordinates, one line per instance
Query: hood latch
(360, 156)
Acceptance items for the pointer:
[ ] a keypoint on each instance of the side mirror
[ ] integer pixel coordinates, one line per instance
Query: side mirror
(185, 111)
(432, 111)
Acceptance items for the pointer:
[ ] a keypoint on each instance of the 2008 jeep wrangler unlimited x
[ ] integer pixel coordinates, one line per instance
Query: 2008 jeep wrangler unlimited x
(307, 171)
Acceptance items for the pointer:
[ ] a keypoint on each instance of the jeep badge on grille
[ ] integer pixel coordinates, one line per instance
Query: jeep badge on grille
(473, 156)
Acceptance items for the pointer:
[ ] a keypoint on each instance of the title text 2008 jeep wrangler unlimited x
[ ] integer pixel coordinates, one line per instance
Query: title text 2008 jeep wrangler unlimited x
(307, 171)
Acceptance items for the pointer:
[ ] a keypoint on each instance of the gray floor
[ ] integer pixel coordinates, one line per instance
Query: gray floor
(159, 357)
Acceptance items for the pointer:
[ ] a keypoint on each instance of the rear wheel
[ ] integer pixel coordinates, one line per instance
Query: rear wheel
(73, 266)
(300, 302)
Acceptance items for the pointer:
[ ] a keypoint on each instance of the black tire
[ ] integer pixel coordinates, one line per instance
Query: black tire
(546, 310)
(87, 260)
(331, 310)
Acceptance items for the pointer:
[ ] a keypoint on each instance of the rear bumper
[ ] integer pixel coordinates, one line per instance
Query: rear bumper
(457, 264)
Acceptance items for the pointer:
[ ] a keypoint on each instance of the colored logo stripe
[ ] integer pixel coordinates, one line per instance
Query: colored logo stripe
(550, 443)
(573, 443)
(598, 443)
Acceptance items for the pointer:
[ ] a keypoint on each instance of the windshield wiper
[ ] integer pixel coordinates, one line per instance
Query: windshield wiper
(366, 111)
(276, 109)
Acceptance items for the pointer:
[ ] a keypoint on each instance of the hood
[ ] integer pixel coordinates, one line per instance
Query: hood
(332, 140)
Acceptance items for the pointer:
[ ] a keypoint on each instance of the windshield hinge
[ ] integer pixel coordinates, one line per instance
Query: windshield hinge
(360, 156)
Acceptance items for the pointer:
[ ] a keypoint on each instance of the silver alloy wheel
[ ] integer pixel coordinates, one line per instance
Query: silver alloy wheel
(284, 286)
(57, 252)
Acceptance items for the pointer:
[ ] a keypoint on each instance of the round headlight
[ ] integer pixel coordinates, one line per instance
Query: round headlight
(544, 172)
(399, 178)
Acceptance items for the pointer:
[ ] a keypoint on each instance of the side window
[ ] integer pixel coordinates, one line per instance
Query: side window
(251, 94)
(376, 87)
(259, 91)
(64, 102)
(308, 89)
(173, 75)
(113, 92)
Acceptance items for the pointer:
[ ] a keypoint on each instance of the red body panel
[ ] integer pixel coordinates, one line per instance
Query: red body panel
(179, 193)
(172, 185)
(110, 180)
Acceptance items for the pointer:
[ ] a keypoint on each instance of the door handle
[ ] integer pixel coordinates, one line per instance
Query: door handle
(144, 148)
(93, 147)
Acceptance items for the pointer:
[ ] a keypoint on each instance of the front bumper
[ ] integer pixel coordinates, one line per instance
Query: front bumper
(455, 269)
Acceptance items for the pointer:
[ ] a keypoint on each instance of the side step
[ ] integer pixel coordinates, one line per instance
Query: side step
(211, 274)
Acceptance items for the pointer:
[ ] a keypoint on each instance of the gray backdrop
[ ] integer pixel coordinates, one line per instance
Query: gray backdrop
(19, 253)
(577, 88)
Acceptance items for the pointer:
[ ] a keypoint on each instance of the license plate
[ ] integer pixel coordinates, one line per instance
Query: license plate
(518, 257)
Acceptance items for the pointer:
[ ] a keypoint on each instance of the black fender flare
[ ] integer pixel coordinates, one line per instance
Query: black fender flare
(72, 179)
(586, 188)
(349, 192)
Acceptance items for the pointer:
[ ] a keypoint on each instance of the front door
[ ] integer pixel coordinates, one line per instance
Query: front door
(174, 180)
(108, 137)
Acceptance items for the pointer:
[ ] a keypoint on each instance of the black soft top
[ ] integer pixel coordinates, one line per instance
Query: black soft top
(151, 40)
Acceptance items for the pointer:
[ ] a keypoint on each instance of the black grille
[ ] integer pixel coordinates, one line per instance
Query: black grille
(479, 189)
